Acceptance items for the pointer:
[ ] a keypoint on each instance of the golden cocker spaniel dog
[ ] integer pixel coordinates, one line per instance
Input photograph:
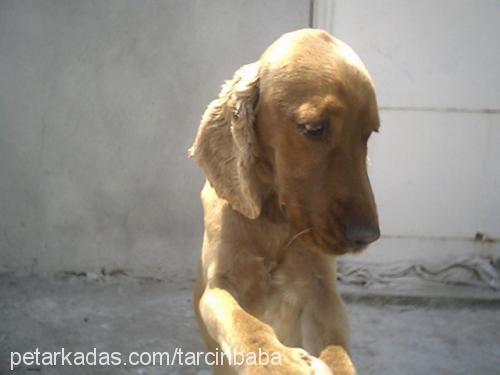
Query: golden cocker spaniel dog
(284, 150)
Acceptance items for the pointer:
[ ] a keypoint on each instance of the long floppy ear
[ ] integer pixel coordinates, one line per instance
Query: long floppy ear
(226, 146)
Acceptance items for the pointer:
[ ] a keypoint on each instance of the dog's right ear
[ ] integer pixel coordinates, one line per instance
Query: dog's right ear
(226, 147)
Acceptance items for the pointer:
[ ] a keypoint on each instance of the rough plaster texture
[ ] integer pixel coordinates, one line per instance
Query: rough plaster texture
(99, 101)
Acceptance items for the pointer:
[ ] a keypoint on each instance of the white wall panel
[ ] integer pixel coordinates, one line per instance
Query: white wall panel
(437, 174)
(426, 53)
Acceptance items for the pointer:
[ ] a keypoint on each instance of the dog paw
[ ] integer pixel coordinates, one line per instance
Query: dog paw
(293, 361)
(338, 360)
(298, 361)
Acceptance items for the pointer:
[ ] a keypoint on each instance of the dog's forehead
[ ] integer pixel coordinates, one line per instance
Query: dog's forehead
(312, 62)
(310, 49)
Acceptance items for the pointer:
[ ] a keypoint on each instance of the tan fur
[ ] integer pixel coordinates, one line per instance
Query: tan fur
(278, 205)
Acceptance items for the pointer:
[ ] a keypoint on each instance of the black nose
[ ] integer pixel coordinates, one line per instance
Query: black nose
(361, 235)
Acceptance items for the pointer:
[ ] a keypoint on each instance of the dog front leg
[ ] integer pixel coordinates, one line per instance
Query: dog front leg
(326, 333)
(237, 331)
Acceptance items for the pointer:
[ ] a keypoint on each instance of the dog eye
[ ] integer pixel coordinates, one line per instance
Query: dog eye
(314, 131)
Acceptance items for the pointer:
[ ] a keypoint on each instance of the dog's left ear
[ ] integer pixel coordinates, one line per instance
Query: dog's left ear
(226, 146)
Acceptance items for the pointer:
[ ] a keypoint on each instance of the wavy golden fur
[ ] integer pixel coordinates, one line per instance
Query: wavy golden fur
(225, 146)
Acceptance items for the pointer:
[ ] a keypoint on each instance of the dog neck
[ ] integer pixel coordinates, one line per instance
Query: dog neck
(272, 210)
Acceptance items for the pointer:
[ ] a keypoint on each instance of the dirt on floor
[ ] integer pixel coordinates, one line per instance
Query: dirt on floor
(390, 335)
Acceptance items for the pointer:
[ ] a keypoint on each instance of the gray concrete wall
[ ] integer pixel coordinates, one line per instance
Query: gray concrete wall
(99, 101)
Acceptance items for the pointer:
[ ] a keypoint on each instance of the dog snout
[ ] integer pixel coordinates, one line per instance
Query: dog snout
(361, 235)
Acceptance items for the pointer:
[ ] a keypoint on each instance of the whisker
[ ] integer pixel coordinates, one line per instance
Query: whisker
(298, 235)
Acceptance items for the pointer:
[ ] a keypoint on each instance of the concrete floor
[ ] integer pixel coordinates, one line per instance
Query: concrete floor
(120, 313)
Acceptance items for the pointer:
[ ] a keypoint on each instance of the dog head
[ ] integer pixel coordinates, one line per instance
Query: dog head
(291, 131)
